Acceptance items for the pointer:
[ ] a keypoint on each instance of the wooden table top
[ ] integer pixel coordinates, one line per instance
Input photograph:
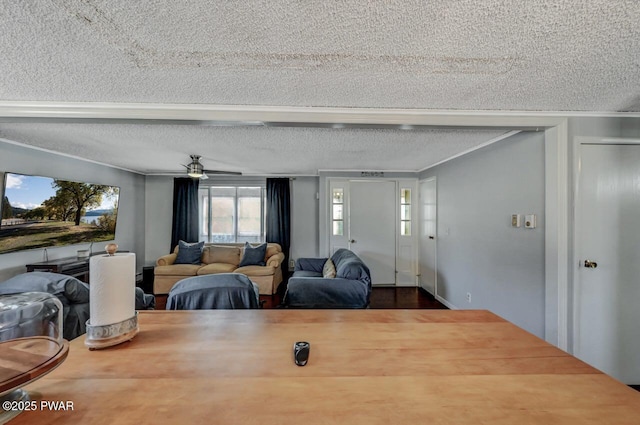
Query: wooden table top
(365, 367)
(26, 359)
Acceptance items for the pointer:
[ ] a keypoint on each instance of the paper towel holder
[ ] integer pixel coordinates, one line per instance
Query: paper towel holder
(103, 336)
(109, 335)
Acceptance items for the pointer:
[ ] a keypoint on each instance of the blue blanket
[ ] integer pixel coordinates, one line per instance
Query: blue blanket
(214, 291)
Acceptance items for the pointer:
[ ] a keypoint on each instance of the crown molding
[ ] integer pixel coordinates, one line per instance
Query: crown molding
(66, 155)
(475, 148)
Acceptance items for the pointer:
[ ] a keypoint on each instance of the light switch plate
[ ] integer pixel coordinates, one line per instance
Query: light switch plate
(530, 221)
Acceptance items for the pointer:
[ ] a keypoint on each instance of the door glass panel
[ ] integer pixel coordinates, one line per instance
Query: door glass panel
(338, 196)
(405, 228)
(338, 228)
(337, 212)
(405, 212)
(405, 196)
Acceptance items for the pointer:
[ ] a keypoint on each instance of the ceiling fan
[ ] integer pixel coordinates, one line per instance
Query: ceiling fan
(196, 170)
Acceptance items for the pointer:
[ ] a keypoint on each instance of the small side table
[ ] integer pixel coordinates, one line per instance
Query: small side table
(71, 266)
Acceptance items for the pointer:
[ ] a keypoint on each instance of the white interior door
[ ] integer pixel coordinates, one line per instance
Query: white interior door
(428, 217)
(607, 293)
(372, 227)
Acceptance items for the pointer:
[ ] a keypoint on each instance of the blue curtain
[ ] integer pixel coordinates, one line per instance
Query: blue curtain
(279, 217)
(185, 211)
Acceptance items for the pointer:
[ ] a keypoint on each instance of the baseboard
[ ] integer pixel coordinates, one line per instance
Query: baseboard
(446, 303)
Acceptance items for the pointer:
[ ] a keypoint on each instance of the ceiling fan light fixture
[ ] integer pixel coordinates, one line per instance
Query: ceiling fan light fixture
(195, 170)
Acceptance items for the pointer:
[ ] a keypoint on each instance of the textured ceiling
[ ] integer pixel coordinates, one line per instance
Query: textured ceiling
(252, 150)
(537, 55)
(469, 54)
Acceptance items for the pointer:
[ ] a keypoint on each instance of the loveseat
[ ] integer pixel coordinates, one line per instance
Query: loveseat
(344, 283)
(221, 258)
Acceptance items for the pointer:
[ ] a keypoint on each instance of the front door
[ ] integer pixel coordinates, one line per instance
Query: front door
(372, 227)
(607, 293)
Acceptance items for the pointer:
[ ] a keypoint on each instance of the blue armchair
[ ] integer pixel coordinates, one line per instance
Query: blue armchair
(351, 288)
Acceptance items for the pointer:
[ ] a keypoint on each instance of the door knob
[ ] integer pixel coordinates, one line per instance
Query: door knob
(352, 241)
(590, 264)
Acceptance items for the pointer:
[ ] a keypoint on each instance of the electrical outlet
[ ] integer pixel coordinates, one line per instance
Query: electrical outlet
(292, 263)
(515, 220)
(469, 297)
(530, 221)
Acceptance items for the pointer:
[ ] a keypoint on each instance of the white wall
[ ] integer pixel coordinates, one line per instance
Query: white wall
(130, 226)
(478, 250)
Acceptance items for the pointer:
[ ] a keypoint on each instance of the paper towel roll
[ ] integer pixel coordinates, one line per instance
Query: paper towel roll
(112, 288)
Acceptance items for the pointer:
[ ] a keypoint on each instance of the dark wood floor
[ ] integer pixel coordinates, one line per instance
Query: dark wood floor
(381, 297)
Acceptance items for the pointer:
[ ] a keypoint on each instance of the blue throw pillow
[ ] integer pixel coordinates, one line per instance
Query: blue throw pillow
(189, 253)
(253, 256)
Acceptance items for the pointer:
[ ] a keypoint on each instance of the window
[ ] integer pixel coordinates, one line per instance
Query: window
(232, 214)
(405, 212)
(337, 211)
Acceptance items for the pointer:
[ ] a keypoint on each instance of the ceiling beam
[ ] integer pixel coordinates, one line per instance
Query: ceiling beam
(244, 115)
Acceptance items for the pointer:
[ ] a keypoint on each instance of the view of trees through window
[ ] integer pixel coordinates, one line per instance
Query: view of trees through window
(232, 214)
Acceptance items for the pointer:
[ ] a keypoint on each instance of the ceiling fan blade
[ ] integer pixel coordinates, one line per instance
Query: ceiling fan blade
(231, 173)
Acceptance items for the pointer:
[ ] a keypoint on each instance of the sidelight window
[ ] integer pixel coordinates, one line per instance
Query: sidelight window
(337, 211)
(405, 212)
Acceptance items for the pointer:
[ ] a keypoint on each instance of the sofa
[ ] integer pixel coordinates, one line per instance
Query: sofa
(309, 288)
(221, 258)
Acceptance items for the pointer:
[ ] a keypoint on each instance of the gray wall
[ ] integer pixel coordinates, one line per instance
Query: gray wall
(159, 210)
(477, 249)
(158, 202)
(130, 227)
(604, 127)
(304, 217)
